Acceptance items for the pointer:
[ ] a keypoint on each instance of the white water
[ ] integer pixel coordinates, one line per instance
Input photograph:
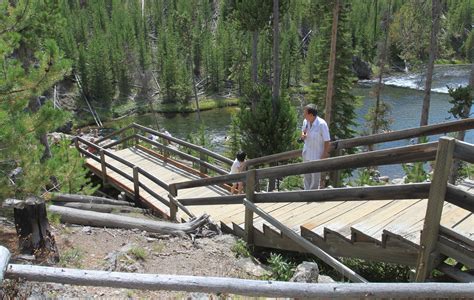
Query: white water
(444, 76)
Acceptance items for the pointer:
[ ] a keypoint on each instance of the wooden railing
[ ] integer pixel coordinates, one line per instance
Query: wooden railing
(436, 192)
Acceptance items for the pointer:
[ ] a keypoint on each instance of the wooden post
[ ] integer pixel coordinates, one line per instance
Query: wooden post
(202, 168)
(136, 185)
(437, 194)
(103, 166)
(250, 182)
(173, 207)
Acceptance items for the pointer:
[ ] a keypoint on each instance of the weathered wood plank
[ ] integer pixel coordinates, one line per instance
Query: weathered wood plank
(444, 159)
(460, 197)
(464, 151)
(263, 288)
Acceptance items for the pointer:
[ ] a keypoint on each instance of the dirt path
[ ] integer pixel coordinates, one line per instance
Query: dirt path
(129, 251)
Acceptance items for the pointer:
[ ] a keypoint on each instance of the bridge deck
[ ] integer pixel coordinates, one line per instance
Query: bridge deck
(350, 221)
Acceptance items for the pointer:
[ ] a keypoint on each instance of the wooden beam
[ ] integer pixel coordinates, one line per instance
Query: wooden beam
(313, 249)
(437, 194)
(136, 184)
(388, 192)
(421, 152)
(455, 273)
(186, 144)
(250, 183)
(218, 200)
(464, 151)
(218, 285)
(113, 134)
(460, 197)
(86, 199)
(103, 166)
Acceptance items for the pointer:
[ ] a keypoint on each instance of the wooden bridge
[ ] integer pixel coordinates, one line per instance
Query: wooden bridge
(419, 225)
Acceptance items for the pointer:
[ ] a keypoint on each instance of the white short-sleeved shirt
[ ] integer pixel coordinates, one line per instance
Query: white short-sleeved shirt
(316, 135)
(236, 167)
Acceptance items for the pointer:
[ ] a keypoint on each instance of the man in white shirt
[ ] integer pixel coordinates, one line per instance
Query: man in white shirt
(315, 134)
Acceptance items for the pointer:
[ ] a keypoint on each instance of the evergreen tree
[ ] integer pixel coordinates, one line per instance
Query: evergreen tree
(345, 102)
(32, 63)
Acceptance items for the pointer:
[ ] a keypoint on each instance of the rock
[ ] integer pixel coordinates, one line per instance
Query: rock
(385, 179)
(325, 279)
(361, 68)
(249, 266)
(306, 272)
(398, 181)
(87, 229)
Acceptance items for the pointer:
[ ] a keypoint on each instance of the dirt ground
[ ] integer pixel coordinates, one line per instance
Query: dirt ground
(127, 251)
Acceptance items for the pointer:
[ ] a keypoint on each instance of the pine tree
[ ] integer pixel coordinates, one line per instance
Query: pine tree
(345, 102)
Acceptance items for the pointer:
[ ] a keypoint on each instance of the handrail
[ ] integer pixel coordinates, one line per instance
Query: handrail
(412, 153)
(106, 137)
(384, 192)
(460, 197)
(464, 151)
(183, 155)
(373, 139)
(184, 143)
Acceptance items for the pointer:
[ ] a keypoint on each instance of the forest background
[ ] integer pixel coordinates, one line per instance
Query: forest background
(117, 54)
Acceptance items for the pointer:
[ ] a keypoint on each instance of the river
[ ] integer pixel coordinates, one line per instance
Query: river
(403, 92)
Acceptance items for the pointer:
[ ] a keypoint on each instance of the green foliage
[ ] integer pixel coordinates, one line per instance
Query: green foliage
(71, 258)
(345, 103)
(415, 172)
(240, 249)
(461, 100)
(264, 133)
(54, 219)
(69, 169)
(365, 177)
(291, 183)
(377, 271)
(233, 141)
(31, 63)
(281, 269)
(138, 253)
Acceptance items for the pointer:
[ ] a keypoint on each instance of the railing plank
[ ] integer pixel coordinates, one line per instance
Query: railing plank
(184, 155)
(464, 151)
(218, 200)
(460, 197)
(113, 134)
(422, 152)
(387, 192)
(246, 287)
(186, 144)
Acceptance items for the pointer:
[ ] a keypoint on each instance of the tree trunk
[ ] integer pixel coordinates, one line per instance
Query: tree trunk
(103, 208)
(435, 12)
(332, 65)
(276, 57)
(32, 228)
(77, 216)
(254, 65)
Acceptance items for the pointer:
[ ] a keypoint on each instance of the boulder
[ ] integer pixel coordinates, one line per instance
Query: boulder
(361, 68)
(306, 272)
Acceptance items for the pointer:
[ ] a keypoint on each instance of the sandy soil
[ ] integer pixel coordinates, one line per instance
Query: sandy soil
(127, 251)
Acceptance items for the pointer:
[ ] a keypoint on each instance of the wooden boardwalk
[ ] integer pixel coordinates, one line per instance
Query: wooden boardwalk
(381, 224)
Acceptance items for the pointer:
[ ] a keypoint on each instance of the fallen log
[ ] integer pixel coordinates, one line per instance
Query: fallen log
(87, 199)
(103, 208)
(90, 218)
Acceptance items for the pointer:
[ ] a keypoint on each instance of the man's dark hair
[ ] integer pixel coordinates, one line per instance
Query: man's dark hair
(312, 109)
(241, 155)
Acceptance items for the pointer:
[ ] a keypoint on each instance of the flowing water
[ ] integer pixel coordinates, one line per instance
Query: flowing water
(403, 92)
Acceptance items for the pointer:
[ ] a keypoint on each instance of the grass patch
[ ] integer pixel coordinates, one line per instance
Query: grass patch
(240, 249)
(71, 258)
(138, 253)
(54, 219)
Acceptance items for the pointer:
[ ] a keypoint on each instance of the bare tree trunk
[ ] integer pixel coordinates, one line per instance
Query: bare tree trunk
(435, 12)
(254, 65)
(276, 56)
(332, 65)
(191, 65)
(32, 227)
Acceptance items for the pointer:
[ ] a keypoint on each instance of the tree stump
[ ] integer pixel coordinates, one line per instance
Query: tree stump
(34, 233)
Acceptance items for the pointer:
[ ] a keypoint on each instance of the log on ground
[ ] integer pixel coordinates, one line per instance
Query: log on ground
(103, 208)
(57, 197)
(90, 218)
